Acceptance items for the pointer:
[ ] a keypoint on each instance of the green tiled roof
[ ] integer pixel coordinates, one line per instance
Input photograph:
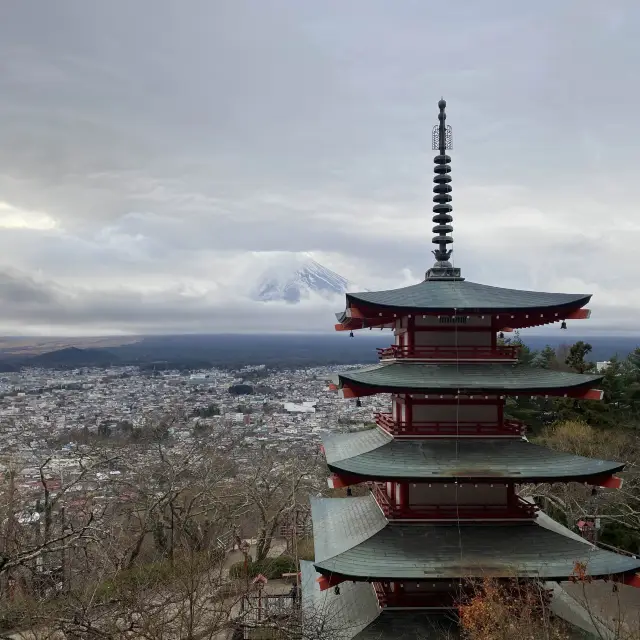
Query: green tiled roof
(445, 551)
(439, 295)
(411, 625)
(355, 614)
(343, 616)
(364, 519)
(474, 378)
(375, 454)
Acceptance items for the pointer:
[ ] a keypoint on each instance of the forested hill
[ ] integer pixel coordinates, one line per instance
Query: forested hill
(620, 383)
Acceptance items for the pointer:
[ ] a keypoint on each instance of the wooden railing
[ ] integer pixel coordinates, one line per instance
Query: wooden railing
(517, 511)
(445, 429)
(262, 608)
(500, 353)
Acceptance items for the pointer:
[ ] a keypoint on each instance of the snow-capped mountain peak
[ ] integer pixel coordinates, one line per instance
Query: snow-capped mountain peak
(297, 277)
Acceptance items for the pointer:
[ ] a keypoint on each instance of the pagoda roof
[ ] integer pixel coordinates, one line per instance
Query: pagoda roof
(462, 378)
(465, 296)
(353, 539)
(346, 614)
(375, 454)
(354, 614)
(409, 625)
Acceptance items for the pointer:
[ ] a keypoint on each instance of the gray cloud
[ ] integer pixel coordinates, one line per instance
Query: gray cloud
(150, 149)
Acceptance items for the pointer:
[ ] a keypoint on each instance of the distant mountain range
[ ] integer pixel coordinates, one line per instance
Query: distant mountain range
(74, 357)
(276, 350)
(296, 278)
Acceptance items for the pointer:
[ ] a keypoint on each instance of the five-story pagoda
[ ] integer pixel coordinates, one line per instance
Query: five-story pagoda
(444, 463)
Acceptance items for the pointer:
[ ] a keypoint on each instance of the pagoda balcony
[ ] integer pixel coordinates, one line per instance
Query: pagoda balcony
(501, 353)
(388, 599)
(402, 428)
(518, 510)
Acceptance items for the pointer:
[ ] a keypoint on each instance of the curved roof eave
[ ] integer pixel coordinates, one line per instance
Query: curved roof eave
(466, 378)
(472, 476)
(352, 541)
(377, 455)
(434, 296)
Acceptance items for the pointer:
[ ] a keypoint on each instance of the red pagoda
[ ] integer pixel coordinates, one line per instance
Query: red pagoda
(443, 465)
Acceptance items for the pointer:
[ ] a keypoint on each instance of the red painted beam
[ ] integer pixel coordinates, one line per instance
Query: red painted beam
(579, 314)
(326, 583)
(592, 394)
(342, 480)
(609, 482)
(452, 328)
(354, 391)
(362, 318)
(632, 580)
(351, 390)
(483, 400)
(353, 324)
(348, 392)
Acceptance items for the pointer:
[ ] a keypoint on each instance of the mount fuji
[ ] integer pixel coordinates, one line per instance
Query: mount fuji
(297, 277)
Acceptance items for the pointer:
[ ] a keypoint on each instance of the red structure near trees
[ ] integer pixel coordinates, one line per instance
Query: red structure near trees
(444, 463)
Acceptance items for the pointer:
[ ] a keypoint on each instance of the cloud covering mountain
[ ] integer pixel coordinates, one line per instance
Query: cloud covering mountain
(154, 160)
(298, 277)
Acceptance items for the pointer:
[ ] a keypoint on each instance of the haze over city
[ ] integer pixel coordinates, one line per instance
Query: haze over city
(156, 156)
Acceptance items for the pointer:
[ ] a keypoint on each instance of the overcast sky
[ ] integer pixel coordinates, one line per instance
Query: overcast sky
(152, 151)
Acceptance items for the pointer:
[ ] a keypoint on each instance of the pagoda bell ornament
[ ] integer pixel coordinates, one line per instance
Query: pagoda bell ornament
(563, 325)
(351, 334)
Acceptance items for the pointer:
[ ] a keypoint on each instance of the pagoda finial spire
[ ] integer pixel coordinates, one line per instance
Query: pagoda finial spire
(442, 141)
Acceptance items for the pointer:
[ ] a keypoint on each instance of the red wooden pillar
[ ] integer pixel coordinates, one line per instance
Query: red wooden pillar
(411, 334)
(500, 413)
(403, 495)
(512, 499)
(409, 412)
(397, 589)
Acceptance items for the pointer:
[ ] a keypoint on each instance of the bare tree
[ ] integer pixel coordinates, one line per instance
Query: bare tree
(275, 487)
(575, 501)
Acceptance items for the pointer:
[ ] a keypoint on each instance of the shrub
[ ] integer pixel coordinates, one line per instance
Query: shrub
(138, 577)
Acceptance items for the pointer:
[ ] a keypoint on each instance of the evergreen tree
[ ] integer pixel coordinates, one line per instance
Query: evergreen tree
(576, 357)
(546, 358)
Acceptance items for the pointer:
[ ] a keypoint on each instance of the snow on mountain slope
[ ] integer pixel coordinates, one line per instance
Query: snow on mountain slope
(296, 277)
